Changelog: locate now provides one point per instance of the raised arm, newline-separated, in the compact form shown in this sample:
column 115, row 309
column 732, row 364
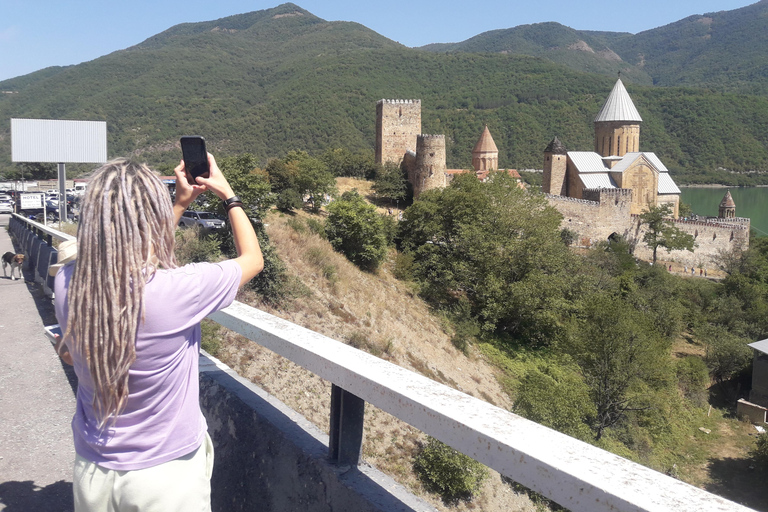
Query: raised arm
column 249, row 255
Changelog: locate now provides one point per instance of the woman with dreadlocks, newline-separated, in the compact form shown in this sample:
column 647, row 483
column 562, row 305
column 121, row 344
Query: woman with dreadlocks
column 131, row 322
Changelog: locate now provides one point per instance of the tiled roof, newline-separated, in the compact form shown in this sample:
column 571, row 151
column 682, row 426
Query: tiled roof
column 485, row 144
column 556, row 147
column 618, row 106
column 727, row 201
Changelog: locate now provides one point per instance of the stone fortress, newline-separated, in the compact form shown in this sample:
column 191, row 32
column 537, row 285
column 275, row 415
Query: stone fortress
column 399, row 141
column 600, row 193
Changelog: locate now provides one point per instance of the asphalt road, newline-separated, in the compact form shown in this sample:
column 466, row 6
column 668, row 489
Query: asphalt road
column 37, row 400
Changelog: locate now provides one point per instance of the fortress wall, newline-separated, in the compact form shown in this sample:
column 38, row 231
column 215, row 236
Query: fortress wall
column 609, row 212
column 712, row 237
column 595, row 218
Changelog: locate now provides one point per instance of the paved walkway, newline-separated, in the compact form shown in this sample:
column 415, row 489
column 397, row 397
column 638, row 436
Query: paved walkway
column 37, row 400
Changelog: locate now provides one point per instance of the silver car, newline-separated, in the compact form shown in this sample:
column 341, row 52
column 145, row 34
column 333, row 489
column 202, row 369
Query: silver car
column 6, row 207
column 203, row 220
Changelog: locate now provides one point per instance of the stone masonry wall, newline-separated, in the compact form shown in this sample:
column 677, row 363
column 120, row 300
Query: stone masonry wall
column 398, row 123
column 594, row 221
column 712, row 237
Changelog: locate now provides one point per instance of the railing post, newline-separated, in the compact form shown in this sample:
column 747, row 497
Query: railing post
column 346, row 436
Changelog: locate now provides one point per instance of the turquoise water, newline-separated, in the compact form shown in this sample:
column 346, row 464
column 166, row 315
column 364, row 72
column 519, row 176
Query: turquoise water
column 750, row 202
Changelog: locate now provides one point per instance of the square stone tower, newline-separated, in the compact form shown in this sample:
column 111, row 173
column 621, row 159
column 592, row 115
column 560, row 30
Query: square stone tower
column 398, row 124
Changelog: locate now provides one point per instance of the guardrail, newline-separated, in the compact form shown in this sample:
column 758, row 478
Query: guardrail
column 572, row 473
column 36, row 241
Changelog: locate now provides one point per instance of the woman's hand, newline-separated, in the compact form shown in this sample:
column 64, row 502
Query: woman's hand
column 185, row 193
column 61, row 348
column 216, row 182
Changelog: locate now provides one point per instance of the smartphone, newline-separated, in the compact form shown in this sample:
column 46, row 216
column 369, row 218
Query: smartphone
column 195, row 157
column 52, row 330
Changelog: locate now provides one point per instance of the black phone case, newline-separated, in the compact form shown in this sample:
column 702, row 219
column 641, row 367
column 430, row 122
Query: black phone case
column 195, row 158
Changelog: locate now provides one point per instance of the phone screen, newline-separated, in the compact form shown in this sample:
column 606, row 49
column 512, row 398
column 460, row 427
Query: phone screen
column 195, row 157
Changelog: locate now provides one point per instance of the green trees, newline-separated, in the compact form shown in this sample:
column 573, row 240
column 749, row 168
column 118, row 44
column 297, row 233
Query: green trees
column 556, row 397
column 250, row 182
column 495, row 247
column 391, row 183
column 660, row 232
column 299, row 175
column 620, row 355
column 355, row 229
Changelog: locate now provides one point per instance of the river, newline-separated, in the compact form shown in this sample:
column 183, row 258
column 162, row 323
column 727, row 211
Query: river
column 750, row 202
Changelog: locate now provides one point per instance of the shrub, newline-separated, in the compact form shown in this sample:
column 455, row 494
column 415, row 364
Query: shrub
column 194, row 246
column 403, row 269
column 357, row 231
column 759, row 453
column 693, row 378
column 449, row 473
column 211, row 341
column 289, row 199
column 272, row 283
column 316, row 226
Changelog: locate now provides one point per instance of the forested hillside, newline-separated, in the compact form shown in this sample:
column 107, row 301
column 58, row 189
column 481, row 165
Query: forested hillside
column 280, row 79
column 726, row 50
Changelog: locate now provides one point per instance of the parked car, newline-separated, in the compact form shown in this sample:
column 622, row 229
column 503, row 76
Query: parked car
column 6, row 206
column 202, row 220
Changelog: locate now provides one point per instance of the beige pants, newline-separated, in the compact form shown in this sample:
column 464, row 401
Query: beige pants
column 180, row 485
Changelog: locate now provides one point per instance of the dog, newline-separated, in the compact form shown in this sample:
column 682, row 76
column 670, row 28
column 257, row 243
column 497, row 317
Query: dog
column 15, row 261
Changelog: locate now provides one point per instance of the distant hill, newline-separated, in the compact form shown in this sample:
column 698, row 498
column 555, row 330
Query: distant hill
column 280, row 79
column 726, row 50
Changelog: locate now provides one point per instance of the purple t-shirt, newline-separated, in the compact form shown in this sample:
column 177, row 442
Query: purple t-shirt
column 162, row 419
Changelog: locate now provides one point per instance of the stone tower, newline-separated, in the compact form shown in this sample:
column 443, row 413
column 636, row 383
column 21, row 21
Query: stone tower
column 485, row 156
column 617, row 125
column 727, row 208
column 429, row 171
column 398, row 123
column 555, row 160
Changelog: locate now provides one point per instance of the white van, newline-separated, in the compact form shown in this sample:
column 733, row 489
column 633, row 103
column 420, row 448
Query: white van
column 80, row 188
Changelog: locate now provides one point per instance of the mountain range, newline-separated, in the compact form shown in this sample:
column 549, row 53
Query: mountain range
column 279, row 79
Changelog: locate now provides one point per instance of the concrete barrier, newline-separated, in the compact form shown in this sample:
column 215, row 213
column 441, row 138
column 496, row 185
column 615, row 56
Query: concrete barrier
column 270, row 458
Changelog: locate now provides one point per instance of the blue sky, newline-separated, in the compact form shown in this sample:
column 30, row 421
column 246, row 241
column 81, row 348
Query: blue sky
column 35, row 34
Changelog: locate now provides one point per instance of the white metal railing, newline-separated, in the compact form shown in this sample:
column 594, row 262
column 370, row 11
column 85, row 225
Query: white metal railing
column 572, row 473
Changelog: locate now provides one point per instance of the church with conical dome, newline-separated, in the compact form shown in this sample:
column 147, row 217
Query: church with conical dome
column 615, row 163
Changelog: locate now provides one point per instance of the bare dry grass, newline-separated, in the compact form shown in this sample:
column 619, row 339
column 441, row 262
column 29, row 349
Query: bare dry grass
column 378, row 314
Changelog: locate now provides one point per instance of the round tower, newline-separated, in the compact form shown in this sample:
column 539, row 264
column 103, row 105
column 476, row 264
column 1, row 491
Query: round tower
column 429, row 171
column 727, row 208
column 485, row 155
column 617, row 125
column 555, row 165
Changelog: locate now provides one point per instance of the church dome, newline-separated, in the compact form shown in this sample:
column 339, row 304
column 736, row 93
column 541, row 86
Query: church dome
column 727, row 201
column 485, row 144
column 556, row 147
column 618, row 106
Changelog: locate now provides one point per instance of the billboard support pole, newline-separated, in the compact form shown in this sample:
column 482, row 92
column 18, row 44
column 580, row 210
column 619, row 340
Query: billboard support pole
column 62, row 193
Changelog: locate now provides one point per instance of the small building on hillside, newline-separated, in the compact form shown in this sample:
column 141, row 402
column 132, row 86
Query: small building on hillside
column 756, row 408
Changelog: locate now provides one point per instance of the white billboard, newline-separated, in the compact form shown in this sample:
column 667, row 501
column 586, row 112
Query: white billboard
column 58, row 141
